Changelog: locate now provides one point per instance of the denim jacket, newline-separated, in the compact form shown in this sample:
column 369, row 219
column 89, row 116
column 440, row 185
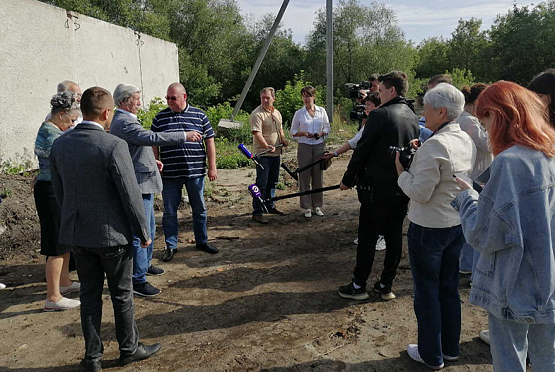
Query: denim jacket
column 512, row 224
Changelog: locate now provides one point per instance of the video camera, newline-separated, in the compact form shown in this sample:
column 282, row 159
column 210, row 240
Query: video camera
column 356, row 92
column 356, row 89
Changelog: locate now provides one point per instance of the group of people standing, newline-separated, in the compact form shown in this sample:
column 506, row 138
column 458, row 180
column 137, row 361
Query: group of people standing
column 310, row 126
column 503, row 131
column 95, row 193
column 95, row 198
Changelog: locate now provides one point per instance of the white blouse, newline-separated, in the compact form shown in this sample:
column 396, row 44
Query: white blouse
column 303, row 122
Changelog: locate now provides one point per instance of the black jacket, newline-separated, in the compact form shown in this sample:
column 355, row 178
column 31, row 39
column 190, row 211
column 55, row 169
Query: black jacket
column 392, row 124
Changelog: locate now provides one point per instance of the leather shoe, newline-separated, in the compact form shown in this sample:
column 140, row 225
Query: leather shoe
column 207, row 247
column 142, row 352
column 168, row 254
column 260, row 219
column 91, row 365
column 275, row 211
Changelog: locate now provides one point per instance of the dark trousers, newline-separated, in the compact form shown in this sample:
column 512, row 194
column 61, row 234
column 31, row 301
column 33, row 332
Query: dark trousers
column 266, row 180
column 384, row 215
column 117, row 263
column 434, row 260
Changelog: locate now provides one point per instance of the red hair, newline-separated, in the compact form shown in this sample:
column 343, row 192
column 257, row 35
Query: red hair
column 520, row 118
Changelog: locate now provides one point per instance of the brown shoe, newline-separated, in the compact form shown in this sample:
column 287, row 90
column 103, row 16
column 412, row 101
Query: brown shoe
column 260, row 219
column 275, row 211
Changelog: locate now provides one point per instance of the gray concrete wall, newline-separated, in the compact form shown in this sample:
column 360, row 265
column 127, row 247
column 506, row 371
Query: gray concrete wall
column 41, row 46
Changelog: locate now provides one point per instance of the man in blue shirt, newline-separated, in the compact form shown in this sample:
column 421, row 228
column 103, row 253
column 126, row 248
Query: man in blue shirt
column 185, row 165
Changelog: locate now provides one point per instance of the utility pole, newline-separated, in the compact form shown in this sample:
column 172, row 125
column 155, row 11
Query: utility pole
column 329, row 59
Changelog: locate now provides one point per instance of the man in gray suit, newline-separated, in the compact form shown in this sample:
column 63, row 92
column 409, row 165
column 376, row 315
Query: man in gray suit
column 126, row 126
column 101, row 205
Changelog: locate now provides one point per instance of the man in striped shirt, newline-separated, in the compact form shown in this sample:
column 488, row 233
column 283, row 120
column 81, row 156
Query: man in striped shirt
column 185, row 165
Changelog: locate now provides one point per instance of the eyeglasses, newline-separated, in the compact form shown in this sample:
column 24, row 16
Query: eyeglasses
column 172, row 98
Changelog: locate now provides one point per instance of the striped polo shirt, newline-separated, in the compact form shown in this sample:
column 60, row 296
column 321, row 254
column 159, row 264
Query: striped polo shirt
column 187, row 159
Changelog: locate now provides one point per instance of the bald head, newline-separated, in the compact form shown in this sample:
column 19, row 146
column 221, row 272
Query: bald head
column 178, row 87
column 176, row 97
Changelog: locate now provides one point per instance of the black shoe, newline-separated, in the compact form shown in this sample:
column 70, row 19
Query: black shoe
column 349, row 291
column 207, row 247
column 275, row 211
column 91, row 365
column 153, row 270
column 168, row 254
column 142, row 352
column 385, row 292
column 145, row 289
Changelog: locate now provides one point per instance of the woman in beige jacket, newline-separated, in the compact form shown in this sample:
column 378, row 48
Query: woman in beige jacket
column 435, row 236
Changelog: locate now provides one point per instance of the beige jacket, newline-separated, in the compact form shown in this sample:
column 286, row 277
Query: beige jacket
column 429, row 182
column 471, row 125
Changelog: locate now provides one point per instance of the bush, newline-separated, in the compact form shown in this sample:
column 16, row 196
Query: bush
column 223, row 111
column 145, row 115
column 228, row 156
column 289, row 99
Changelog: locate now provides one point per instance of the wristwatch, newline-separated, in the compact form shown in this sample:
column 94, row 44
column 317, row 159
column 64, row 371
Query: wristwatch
column 335, row 153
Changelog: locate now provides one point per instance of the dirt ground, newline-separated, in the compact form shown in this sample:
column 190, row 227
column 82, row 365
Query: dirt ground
column 267, row 302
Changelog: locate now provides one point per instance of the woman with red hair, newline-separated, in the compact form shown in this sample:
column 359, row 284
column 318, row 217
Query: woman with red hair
column 512, row 224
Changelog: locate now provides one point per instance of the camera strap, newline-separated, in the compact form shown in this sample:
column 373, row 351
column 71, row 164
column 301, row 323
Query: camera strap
column 440, row 128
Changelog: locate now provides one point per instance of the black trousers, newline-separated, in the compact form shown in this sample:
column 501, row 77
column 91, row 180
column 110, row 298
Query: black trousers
column 380, row 214
column 117, row 263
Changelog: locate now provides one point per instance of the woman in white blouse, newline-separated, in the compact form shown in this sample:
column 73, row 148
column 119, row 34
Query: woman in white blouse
column 310, row 126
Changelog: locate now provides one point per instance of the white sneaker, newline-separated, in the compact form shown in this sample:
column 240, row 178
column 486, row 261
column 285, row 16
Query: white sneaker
column 308, row 213
column 63, row 304
column 74, row 287
column 412, row 350
column 2, row 286
column 380, row 245
column 484, row 336
column 355, row 241
column 318, row 211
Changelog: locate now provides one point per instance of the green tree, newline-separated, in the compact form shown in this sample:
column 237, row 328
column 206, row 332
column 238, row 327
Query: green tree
column 367, row 40
column 468, row 46
column 432, row 57
column 522, row 42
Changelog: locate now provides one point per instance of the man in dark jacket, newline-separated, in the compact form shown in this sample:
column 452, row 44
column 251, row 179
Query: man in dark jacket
column 383, row 204
column 94, row 182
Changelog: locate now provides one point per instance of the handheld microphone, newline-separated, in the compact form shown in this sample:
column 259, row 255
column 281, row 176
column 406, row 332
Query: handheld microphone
column 255, row 192
column 249, row 155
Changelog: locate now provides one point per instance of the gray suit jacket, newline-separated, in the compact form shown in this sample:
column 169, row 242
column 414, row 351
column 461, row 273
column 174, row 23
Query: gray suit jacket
column 94, row 182
column 139, row 141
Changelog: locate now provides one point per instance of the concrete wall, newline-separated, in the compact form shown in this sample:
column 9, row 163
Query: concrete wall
column 40, row 46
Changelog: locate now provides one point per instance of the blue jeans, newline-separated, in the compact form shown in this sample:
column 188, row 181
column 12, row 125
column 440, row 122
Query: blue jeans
column 511, row 340
column 465, row 261
column 172, row 197
column 266, row 180
column 143, row 256
column 434, row 259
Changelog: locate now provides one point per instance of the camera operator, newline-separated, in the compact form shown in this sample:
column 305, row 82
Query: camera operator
column 384, row 205
column 435, row 236
column 374, row 83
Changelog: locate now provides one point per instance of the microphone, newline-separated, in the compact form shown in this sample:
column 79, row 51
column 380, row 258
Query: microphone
column 249, row 155
column 255, row 192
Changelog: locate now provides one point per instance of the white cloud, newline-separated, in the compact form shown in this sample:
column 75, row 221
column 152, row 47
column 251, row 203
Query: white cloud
column 419, row 20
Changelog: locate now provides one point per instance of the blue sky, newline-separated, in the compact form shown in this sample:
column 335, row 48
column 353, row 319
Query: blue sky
column 418, row 19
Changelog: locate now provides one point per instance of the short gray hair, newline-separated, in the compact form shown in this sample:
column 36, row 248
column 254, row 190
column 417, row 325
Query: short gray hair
column 64, row 102
column 268, row 89
column 64, row 85
column 446, row 96
column 123, row 92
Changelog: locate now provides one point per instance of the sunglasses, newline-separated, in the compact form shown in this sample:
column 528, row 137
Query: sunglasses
column 172, row 98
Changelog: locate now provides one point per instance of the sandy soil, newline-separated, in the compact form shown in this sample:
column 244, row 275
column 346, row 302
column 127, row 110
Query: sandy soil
column 266, row 302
